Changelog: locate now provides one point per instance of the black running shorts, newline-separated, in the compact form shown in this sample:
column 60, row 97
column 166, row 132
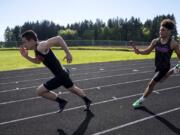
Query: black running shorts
column 160, row 74
column 62, row 79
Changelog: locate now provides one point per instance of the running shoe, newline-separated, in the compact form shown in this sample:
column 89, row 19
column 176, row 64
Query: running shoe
column 137, row 103
column 62, row 105
column 87, row 103
column 177, row 68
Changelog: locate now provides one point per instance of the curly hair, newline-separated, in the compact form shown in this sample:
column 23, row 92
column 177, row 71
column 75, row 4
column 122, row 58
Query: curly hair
column 168, row 23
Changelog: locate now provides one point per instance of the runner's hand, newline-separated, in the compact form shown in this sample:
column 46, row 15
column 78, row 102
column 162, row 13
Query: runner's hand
column 68, row 57
column 23, row 51
column 131, row 43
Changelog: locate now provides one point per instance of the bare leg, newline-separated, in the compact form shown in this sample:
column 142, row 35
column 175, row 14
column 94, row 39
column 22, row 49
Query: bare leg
column 78, row 91
column 43, row 92
column 147, row 92
column 149, row 88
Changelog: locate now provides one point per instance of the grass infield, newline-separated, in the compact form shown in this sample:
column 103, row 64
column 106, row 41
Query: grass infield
column 11, row 59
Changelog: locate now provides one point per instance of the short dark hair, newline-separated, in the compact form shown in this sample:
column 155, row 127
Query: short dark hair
column 168, row 23
column 29, row 34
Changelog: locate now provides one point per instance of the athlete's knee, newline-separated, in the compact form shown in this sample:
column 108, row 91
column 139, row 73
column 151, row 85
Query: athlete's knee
column 41, row 90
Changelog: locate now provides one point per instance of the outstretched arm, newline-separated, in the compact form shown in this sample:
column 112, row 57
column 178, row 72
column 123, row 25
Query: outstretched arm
column 146, row 51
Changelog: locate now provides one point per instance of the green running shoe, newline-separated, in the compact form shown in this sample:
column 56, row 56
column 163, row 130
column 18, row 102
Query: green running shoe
column 177, row 68
column 137, row 103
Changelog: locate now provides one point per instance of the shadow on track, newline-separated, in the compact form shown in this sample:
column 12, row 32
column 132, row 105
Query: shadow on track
column 162, row 120
column 82, row 128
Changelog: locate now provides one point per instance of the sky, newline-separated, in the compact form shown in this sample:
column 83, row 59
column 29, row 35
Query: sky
column 63, row 12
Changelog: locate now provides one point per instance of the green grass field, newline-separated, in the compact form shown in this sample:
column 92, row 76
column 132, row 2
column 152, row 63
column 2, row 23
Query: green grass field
column 12, row 60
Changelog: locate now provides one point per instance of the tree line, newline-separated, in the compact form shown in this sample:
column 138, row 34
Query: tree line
column 113, row 29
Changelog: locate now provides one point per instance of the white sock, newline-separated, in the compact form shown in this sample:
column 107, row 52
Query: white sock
column 142, row 98
column 175, row 70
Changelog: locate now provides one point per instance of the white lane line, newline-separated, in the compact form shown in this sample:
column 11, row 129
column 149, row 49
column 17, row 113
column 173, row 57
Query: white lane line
column 37, row 79
column 119, row 66
column 18, row 89
column 135, row 70
column 74, row 108
column 78, row 107
column 91, row 88
column 50, row 113
column 136, row 121
column 110, row 76
column 95, row 88
column 112, row 70
column 91, row 78
column 24, row 88
column 73, row 68
column 156, row 92
column 114, row 97
column 20, row 100
column 103, row 66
